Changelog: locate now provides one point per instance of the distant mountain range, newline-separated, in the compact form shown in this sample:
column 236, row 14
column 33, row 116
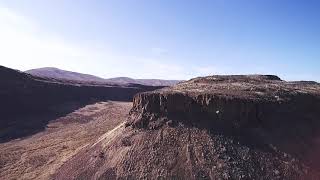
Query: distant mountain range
column 55, row 73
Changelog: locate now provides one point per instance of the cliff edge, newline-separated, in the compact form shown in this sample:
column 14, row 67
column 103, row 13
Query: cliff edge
column 215, row 127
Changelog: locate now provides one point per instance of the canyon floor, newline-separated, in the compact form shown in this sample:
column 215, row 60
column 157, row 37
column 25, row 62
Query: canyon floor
column 40, row 155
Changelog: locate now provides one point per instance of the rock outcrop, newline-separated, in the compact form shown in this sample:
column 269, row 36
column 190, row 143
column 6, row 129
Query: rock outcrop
column 216, row 127
column 232, row 102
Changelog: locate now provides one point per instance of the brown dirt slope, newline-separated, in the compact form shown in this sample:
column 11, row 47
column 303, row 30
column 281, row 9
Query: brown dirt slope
column 216, row 127
column 23, row 95
column 40, row 155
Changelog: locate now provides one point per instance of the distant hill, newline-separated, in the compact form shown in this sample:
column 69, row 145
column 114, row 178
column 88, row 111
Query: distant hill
column 50, row 72
column 55, row 73
column 149, row 82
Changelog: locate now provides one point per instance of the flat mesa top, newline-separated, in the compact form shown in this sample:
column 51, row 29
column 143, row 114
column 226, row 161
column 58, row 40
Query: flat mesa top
column 244, row 86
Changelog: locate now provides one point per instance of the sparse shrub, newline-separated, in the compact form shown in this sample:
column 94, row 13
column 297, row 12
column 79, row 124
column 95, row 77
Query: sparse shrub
column 101, row 154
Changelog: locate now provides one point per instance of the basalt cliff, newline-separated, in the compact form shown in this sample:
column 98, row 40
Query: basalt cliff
column 215, row 127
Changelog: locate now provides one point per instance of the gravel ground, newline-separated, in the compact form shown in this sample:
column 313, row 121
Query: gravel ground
column 40, row 155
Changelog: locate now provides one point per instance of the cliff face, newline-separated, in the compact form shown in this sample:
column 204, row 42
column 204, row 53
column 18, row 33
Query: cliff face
column 232, row 102
column 216, row 127
column 261, row 111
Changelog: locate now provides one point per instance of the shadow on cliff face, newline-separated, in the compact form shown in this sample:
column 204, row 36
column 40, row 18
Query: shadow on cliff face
column 291, row 127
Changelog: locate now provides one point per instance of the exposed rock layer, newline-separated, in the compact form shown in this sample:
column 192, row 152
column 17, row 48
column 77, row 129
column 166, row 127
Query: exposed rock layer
column 230, row 101
column 217, row 127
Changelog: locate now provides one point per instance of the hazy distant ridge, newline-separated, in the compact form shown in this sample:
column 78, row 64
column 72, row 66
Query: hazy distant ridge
column 51, row 72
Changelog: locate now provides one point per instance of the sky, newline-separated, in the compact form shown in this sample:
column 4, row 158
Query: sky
column 166, row 39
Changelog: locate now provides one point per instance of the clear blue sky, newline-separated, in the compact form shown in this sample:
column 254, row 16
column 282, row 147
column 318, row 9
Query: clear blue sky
column 170, row 39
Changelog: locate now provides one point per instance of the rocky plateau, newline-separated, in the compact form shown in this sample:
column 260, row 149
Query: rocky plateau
column 215, row 127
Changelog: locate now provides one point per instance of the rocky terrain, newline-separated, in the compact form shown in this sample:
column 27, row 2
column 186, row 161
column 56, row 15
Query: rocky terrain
column 29, row 102
column 216, row 127
column 39, row 156
column 58, row 74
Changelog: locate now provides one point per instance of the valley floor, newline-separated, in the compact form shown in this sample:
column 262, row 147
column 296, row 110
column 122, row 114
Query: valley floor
column 40, row 155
